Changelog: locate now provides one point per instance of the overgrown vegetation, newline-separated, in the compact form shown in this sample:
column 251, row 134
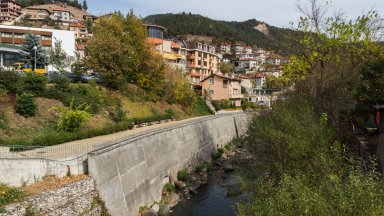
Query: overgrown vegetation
column 72, row 118
column 183, row 175
column 9, row 194
column 305, row 163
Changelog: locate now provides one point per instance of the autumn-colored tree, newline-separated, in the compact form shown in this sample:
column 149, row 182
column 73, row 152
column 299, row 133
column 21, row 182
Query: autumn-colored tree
column 334, row 51
column 226, row 67
column 119, row 51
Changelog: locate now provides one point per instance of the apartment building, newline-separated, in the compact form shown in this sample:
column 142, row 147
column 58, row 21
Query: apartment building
column 173, row 51
column 9, row 10
column 81, row 31
column 202, row 60
column 62, row 15
column 37, row 14
column 13, row 36
column 222, row 87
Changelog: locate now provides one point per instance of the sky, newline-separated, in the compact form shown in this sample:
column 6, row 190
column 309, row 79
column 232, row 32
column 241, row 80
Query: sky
column 274, row 12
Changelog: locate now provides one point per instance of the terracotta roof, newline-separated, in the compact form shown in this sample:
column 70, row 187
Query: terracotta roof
column 175, row 45
column 61, row 9
column 221, row 76
column 155, row 41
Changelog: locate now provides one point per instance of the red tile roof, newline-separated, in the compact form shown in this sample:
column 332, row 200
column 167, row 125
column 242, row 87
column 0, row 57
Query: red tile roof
column 155, row 41
column 76, row 24
column 175, row 45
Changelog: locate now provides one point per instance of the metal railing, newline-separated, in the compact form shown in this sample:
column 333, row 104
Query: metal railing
column 48, row 152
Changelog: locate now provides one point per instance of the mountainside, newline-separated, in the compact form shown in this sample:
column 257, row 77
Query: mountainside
column 27, row 3
column 252, row 32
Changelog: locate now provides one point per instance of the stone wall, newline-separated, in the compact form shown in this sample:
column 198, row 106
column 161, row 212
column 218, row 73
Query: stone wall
column 130, row 174
column 79, row 198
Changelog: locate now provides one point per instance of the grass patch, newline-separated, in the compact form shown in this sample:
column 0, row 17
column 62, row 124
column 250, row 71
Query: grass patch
column 50, row 136
column 9, row 194
column 200, row 108
column 183, row 175
column 204, row 167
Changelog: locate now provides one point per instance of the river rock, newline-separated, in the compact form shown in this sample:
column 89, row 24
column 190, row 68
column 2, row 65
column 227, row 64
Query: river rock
column 174, row 200
column 204, row 179
column 155, row 207
column 149, row 212
column 192, row 190
column 228, row 168
column 179, row 184
column 164, row 210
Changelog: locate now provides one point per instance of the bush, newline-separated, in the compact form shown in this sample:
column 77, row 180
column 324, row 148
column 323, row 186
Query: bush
column 25, row 105
column 71, row 118
column 183, row 175
column 309, row 172
column 118, row 114
column 170, row 187
column 9, row 194
column 33, row 82
column 62, row 83
column 204, row 167
column 9, row 80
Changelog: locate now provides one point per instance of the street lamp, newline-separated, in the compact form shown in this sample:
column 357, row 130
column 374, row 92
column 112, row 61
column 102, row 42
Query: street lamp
column 35, row 48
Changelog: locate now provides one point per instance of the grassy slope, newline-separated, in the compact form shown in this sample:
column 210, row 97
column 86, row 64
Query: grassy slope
column 16, row 129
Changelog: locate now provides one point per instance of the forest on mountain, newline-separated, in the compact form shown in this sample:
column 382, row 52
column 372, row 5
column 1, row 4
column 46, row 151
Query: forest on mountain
column 279, row 39
column 73, row 3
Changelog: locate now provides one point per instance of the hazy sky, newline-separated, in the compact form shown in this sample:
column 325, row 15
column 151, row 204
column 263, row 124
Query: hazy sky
column 274, row 12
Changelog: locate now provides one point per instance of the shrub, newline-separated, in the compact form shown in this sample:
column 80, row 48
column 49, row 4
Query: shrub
column 9, row 194
column 9, row 80
column 183, row 175
column 33, row 82
column 170, row 187
column 117, row 114
column 62, row 83
column 71, row 118
column 3, row 121
column 204, row 167
column 217, row 105
column 25, row 105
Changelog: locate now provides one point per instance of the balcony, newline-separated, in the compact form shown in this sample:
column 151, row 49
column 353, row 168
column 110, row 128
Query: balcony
column 191, row 65
column 195, row 75
column 191, row 56
column 236, row 96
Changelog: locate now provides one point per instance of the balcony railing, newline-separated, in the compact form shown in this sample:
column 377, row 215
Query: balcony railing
column 191, row 56
column 236, row 96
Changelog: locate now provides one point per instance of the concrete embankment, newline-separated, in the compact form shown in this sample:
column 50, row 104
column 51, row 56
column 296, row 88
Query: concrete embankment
column 130, row 174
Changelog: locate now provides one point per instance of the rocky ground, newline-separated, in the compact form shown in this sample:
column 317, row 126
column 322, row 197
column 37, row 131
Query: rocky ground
column 76, row 198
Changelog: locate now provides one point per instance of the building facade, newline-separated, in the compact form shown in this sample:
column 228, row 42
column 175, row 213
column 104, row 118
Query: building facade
column 202, row 61
column 222, row 87
column 9, row 10
column 12, row 38
column 62, row 15
column 37, row 14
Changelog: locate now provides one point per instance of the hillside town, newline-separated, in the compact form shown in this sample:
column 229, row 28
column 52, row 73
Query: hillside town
column 247, row 70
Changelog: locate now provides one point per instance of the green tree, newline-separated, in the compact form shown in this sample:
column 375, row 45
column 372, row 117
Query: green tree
column 85, row 6
column 31, row 50
column 226, row 67
column 58, row 57
column 119, row 51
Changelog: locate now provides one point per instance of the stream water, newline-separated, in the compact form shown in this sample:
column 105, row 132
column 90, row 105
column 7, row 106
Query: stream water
column 212, row 199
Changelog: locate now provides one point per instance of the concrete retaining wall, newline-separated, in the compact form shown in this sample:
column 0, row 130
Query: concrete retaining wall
column 20, row 171
column 130, row 174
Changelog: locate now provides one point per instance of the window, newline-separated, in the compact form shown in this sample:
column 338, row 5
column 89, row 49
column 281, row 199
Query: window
column 199, row 62
column 200, row 46
column 211, row 92
column 19, row 35
column 46, row 37
column 225, row 83
column 155, row 33
column 211, row 81
column 6, row 34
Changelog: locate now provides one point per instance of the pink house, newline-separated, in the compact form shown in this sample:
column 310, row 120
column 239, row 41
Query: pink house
column 221, row 87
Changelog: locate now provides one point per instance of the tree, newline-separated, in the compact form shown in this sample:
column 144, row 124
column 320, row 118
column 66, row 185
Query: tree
column 85, row 6
column 332, row 55
column 226, row 67
column 119, row 51
column 29, row 54
column 58, row 57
